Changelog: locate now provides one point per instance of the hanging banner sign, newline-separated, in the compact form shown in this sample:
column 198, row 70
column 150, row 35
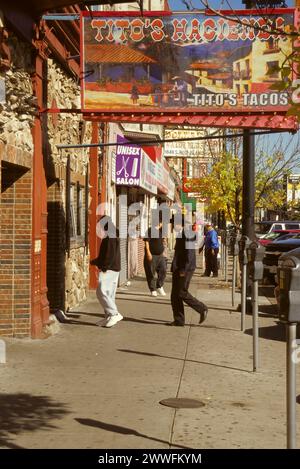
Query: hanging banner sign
column 128, row 163
column 186, row 62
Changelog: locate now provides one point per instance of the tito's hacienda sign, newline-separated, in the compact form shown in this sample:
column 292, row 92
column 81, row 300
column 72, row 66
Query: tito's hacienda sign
column 184, row 62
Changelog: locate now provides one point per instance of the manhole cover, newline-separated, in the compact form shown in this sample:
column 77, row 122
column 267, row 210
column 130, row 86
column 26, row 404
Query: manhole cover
column 182, row 403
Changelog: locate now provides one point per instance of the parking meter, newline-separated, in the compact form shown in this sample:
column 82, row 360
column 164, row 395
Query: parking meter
column 289, row 289
column 255, row 255
column 234, row 245
column 244, row 243
column 289, row 313
column 227, row 239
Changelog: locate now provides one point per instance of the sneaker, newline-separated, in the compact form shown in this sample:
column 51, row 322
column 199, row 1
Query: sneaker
column 154, row 293
column 161, row 291
column 112, row 320
column 203, row 316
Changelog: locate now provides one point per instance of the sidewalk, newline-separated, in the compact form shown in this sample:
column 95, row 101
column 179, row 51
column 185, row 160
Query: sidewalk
column 91, row 387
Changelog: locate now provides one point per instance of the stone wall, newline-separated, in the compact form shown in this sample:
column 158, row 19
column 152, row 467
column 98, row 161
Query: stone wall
column 77, row 269
column 17, row 114
column 69, row 128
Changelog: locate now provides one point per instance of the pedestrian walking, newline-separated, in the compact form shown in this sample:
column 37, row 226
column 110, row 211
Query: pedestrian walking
column 134, row 94
column 211, row 250
column 183, row 268
column 155, row 262
column 109, row 264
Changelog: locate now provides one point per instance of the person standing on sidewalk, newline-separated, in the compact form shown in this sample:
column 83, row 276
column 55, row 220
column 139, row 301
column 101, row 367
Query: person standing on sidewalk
column 109, row 264
column 155, row 260
column 183, row 268
column 211, row 244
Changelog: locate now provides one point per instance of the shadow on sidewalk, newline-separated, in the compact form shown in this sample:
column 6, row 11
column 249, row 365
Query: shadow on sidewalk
column 26, row 413
column 183, row 359
column 123, row 431
column 276, row 332
column 153, row 302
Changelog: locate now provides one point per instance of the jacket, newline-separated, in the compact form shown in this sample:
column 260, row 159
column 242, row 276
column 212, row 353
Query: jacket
column 184, row 259
column 109, row 257
column 211, row 240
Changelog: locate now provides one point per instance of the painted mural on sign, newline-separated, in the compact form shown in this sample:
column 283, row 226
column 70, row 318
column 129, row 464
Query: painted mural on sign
column 183, row 61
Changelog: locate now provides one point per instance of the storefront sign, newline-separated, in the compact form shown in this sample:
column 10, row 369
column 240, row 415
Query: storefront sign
column 184, row 61
column 128, row 163
column 200, row 149
column 148, row 179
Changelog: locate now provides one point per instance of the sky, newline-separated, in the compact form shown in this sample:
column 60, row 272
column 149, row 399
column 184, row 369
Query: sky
column 218, row 4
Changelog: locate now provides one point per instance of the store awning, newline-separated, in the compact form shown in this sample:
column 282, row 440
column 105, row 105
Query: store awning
column 242, row 121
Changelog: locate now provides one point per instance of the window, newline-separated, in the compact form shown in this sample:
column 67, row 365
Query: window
column 76, row 213
column 272, row 44
column 273, row 69
column 292, row 226
column 80, row 211
column 72, row 212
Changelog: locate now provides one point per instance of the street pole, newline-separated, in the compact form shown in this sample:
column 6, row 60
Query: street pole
column 233, row 280
column 243, row 297
column 248, row 184
column 255, row 323
column 248, row 206
column 291, row 346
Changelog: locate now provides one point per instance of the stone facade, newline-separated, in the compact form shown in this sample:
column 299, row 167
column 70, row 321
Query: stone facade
column 17, row 113
column 68, row 128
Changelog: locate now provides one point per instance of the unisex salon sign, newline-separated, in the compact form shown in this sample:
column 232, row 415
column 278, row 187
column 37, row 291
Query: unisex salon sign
column 184, row 61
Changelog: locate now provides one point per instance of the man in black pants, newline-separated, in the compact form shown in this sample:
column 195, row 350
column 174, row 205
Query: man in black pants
column 155, row 260
column 183, row 267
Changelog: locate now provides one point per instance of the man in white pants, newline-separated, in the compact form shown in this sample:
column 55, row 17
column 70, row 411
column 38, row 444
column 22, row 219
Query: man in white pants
column 109, row 264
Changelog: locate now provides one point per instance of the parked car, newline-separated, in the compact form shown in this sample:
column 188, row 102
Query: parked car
column 264, row 227
column 274, row 250
column 276, row 236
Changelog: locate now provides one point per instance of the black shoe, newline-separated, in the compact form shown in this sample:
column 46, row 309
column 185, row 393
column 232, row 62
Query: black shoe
column 175, row 323
column 203, row 316
column 216, row 275
column 205, row 275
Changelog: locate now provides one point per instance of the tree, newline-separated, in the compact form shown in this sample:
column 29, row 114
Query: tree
column 222, row 186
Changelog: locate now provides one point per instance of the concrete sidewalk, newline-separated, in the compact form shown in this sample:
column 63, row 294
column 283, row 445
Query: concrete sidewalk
column 91, row 387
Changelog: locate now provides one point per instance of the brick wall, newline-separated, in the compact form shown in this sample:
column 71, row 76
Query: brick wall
column 15, row 291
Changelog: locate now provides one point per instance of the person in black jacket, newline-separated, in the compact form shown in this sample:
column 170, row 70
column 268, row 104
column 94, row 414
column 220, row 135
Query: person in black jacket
column 109, row 264
column 183, row 267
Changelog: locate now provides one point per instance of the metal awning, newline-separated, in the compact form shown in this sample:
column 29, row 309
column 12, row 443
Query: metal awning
column 140, row 136
column 242, row 121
